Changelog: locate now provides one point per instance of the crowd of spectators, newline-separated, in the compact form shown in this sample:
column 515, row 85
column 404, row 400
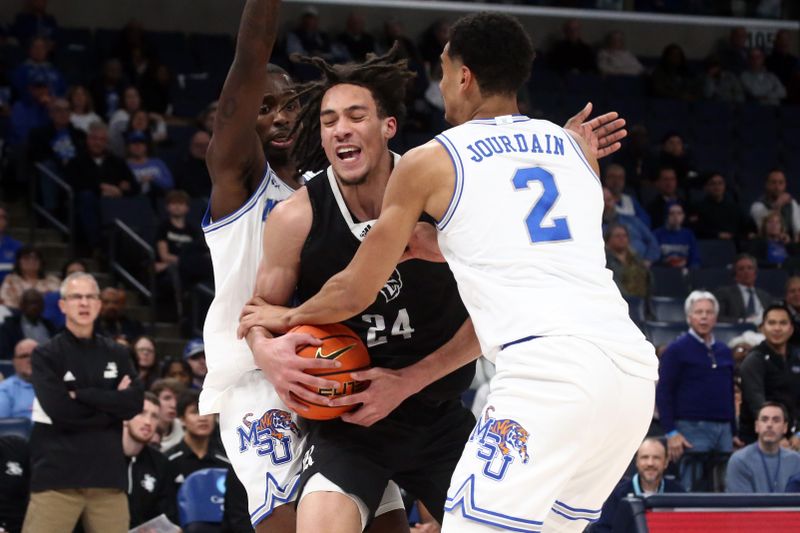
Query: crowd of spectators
column 111, row 135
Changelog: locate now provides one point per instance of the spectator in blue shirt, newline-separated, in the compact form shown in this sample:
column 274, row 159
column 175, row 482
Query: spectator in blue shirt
column 8, row 246
column 31, row 111
column 627, row 204
column 16, row 392
column 641, row 238
column 152, row 173
column 37, row 66
column 651, row 463
column 764, row 466
column 694, row 394
column 678, row 244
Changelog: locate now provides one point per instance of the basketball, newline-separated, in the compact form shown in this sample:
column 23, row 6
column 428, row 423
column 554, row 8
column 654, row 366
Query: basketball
column 342, row 344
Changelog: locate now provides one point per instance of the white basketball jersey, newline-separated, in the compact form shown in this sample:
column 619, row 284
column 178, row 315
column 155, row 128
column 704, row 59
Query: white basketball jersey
column 235, row 242
column 523, row 237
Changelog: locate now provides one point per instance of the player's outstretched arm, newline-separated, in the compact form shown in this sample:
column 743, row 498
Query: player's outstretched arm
column 602, row 134
column 285, row 233
column 389, row 388
column 235, row 155
column 418, row 183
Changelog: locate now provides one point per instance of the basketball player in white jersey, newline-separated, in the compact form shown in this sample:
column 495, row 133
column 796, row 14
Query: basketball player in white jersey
column 256, row 114
column 519, row 208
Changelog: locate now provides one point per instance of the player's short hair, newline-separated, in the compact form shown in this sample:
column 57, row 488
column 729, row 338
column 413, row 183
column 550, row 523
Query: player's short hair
column 385, row 77
column 188, row 398
column 496, row 48
column 272, row 68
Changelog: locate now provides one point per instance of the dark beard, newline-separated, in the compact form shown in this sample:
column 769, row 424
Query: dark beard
column 277, row 158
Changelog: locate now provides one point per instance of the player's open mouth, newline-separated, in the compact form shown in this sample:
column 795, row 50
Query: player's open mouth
column 282, row 142
column 348, row 153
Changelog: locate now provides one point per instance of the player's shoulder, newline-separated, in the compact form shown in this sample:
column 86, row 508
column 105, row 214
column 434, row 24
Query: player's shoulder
column 295, row 210
column 430, row 157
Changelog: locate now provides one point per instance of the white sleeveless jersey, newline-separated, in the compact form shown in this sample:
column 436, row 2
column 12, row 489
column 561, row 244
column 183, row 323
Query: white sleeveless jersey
column 523, row 237
column 235, row 242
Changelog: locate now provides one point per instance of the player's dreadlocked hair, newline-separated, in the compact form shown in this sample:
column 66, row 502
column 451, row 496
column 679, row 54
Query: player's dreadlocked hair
column 384, row 76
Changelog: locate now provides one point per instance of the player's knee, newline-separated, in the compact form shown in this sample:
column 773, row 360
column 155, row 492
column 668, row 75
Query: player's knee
column 333, row 512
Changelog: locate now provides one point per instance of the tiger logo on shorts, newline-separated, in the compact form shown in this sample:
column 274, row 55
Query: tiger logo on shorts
column 271, row 435
column 497, row 439
column 512, row 436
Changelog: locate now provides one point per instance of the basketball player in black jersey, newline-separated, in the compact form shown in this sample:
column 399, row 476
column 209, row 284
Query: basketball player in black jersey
column 420, row 338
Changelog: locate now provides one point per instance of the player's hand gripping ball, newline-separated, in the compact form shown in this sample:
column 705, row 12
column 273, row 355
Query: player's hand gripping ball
column 341, row 344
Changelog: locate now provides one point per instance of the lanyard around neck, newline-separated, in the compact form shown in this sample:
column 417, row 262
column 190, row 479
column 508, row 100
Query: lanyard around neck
column 773, row 482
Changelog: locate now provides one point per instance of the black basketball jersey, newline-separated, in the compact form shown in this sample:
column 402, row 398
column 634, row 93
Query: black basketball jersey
column 416, row 312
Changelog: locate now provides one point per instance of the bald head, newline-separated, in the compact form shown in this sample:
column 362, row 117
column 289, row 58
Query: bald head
column 22, row 358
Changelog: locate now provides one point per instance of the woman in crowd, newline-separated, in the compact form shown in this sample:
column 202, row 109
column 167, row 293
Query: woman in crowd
column 82, row 108
column 28, row 273
column 146, row 360
column 178, row 369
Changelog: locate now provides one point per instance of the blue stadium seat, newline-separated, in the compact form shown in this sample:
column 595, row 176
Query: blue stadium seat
column 716, row 252
column 211, row 52
column 663, row 333
column 668, row 281
column 104, row 41
column 709, row 278
column 201, row 497
column 773, row 280
column 631, row 109
column 19, row 427
column 625, row 87
column 725, row 332
column 667, row 309
column 172, row 49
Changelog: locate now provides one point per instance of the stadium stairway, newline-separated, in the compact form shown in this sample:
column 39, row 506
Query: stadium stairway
column 55, row 251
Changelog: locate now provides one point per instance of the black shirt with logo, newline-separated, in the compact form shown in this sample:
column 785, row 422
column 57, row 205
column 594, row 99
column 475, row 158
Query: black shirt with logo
column 77, row 443
column 183, row 461
column 176, row 237
column 15, row 474
column 417, row 311
column 151, row 487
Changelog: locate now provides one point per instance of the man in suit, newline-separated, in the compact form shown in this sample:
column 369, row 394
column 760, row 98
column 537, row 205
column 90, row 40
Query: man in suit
column 743, row 302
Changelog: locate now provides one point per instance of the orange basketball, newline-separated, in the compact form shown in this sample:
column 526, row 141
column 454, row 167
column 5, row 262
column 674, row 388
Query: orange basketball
column 342, row 344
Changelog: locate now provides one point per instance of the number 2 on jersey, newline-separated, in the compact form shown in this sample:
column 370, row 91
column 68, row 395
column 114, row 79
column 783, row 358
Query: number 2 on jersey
column 559, row 231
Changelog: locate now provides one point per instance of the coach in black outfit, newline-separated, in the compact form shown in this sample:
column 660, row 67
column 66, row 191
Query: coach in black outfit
column 85, row 387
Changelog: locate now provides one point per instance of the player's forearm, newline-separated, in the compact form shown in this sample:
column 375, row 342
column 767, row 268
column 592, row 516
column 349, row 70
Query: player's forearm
column 460, row 350
column 257, row 32
column 339, row 299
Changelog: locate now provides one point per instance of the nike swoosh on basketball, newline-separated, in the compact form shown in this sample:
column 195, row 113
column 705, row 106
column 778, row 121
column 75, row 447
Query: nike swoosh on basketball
column 332, row 355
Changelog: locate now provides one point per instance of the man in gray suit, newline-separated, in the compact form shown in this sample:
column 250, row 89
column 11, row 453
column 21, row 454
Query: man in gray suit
column 743, row 302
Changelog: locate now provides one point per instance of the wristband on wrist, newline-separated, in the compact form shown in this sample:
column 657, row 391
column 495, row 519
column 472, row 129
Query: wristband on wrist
column 672, row 433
